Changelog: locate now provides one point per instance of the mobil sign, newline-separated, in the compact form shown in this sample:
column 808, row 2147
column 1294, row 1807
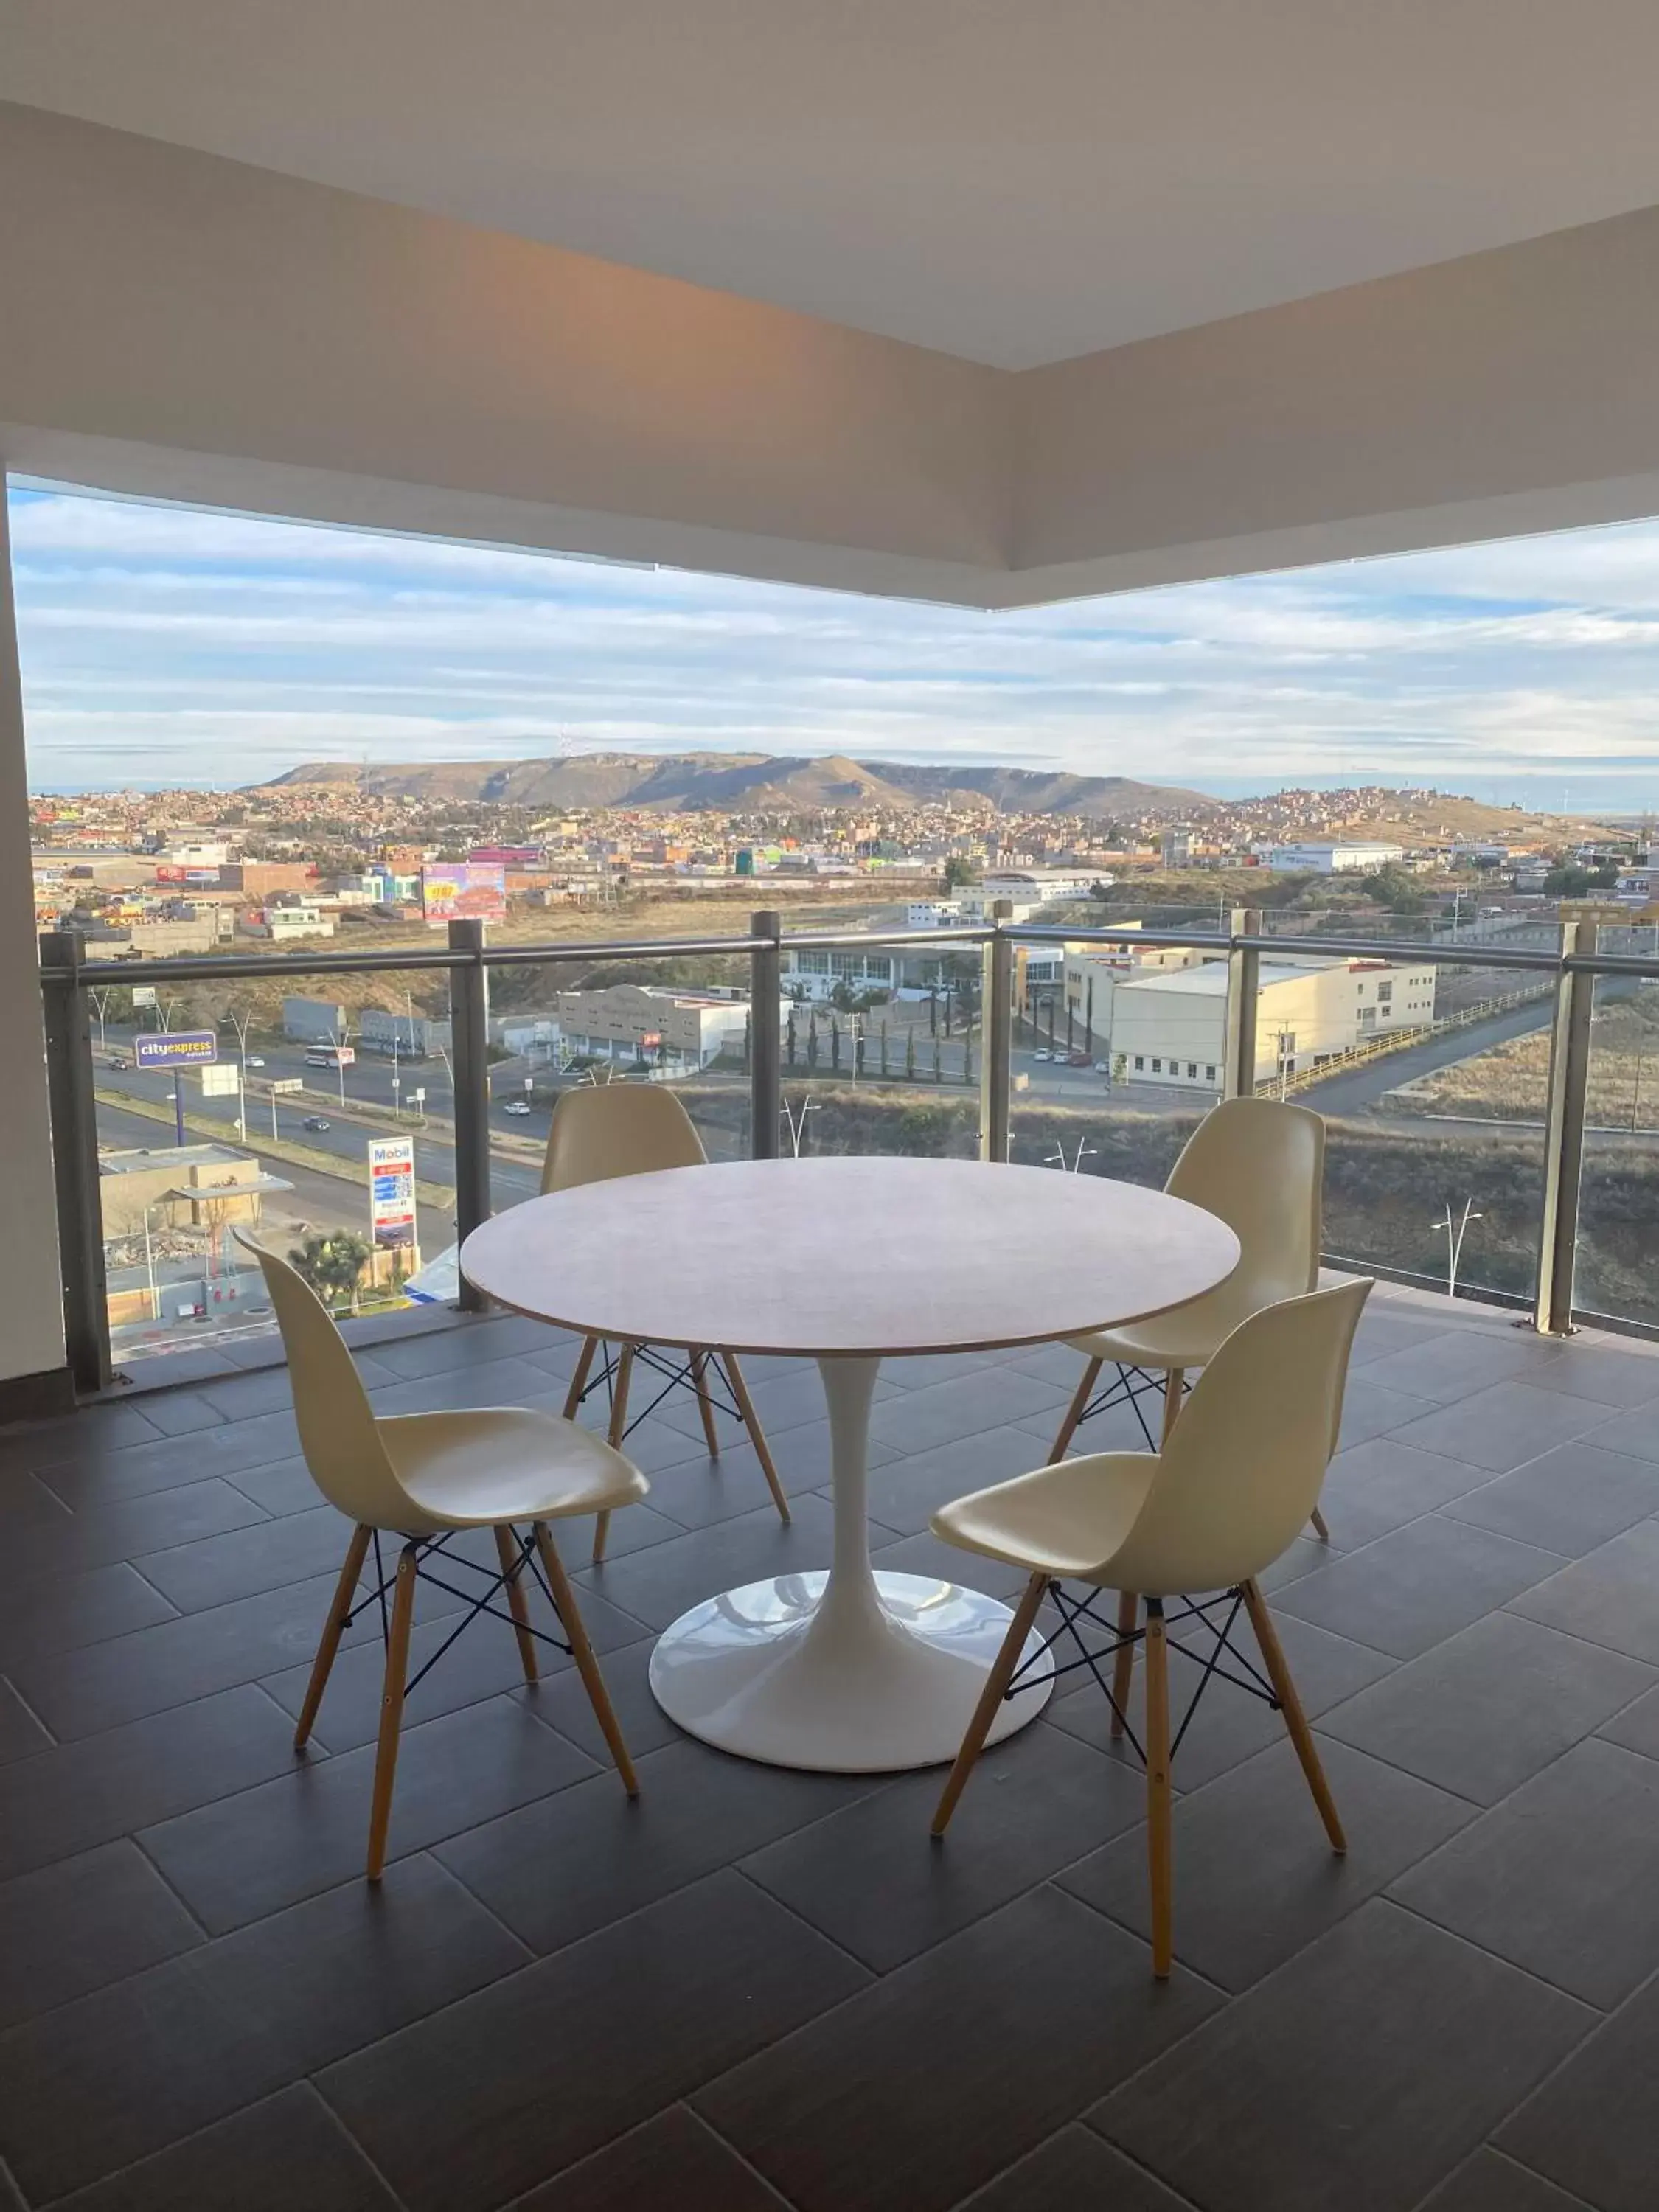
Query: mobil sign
column 391, row 1191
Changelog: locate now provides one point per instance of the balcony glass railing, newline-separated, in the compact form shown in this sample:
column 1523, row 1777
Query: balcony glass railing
column 1484, row 1095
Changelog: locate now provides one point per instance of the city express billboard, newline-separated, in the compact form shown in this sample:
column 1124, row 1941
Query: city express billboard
column 455, row 891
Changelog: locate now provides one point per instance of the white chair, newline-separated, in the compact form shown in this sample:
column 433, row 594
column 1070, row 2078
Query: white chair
column 622, row 1130
column 1230, row 1490
column 1260, row 1165
column 426, row 1477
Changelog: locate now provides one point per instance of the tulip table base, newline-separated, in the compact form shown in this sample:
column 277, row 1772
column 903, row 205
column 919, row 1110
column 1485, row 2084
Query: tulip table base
column 850, row 1671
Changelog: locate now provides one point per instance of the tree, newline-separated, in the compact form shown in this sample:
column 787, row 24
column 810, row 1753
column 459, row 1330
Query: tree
column 938, row 1071
column 333, row 1266
column 910, row 1055
column 881, row 1035
column 834, row 1044
column 1567, row 880
column 812, row 1039
column 789, row 1036
column 958, row 873
column 1391, row 887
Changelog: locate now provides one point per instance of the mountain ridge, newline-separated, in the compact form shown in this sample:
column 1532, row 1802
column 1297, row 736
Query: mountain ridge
column 747, row 783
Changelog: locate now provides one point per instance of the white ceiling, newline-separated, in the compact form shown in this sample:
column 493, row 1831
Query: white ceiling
column 1016, row 181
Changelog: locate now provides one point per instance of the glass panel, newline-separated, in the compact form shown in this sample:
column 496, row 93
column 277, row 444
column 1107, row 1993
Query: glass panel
column 302, row 1088
column 1619, row 1214
column 881, row 1052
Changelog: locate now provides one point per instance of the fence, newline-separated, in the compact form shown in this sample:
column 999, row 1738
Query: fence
column 68, row 978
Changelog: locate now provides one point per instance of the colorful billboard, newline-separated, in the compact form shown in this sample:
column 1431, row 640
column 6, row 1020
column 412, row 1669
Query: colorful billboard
column 391, row 1192
column 456, row 891
column 176, row 1048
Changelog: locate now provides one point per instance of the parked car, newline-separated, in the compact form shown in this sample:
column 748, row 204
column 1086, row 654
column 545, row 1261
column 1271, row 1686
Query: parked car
column 1043, row 1056
column 316, row 1122
column 1076, row 1059
column 254, row 1061
column 515, row 1106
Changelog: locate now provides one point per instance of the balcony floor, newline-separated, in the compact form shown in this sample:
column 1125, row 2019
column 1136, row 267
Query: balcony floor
column 761, row 1989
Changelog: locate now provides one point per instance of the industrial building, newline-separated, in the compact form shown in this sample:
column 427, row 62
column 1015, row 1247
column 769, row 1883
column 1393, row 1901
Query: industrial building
column 1171, row 1027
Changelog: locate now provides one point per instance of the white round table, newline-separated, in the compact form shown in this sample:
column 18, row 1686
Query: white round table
column 846, row 1260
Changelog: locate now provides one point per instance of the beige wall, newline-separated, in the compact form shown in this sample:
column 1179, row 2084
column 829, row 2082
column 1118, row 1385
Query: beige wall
column 31, row 1304
column 195, row 328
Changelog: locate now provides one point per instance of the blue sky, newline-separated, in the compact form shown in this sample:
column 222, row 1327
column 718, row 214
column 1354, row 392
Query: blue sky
column 165, row 646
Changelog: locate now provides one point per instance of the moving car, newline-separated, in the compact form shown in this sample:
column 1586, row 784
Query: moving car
column 515, row 1106
column 315, row 1121
column 119, row 1062
column 254, row 1061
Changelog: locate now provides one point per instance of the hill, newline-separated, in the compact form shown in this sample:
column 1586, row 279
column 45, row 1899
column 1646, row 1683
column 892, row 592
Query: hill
column 758, row 783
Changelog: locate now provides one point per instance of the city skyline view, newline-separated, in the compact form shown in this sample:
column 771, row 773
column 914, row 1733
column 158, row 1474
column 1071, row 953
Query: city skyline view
column 168, row 646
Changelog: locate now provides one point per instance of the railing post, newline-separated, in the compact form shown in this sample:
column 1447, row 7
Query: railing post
column 1563, row 1133
column 73, row 1109
column 765, row 1037
column 469, row 1014
column 1243, row 985
column 996, row 1000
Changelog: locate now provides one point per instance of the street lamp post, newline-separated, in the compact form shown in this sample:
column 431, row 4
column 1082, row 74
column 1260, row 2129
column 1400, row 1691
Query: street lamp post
column 1457, row 1228
column 795, row 1117
column 1057, row 1158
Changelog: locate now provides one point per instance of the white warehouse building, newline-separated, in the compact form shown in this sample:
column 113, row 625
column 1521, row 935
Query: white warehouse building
column 1172, row 1028
column 1333, row 859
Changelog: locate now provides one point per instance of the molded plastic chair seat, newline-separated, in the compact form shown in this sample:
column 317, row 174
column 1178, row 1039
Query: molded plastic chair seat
column 473, row 1468
column 1061, row 1521
column 1237, row 1477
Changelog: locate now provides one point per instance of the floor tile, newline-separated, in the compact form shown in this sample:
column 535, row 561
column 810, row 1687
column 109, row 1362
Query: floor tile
column 1414, row 1588
column 1638, row 1725
column 478, row 1344
column 957, row 2064
column 491, row 1383
column 1636, row 1433
column 77, row 1795
column 1594, row 2128
column 102, row 1428
column 1482, row 1712
column 1382, row 1331
column 781, row 1402
column 20, row 1733
column 567, row 1866
column 280, row 1486
column 874, row 1879
column 138, row 1470
column 1371, row 1409
column 194, row 2039
column 906, row 1494
column 1074, row 2172
column 673, row 2162
column 220, row 1569
column 456, row 2111
column 81, row 1692
column 1255, row 1878
column 657, row 1586
column 123, row 1529
column 1500, row 1884
column 243, row 1856
column 181, row 1412
column 1230, row 1725
column 1501, row 1427
column 1378, row 1486
column 1457, row 1363
column 919, row 1420
column 1361, row 2074
column 287, row 2154
column 698, row 1491
column 1572, row 1500
column 560, row 1701
column 1611, row 1596
column 1625, row 1374
column 65, row 1613
column 1491, row 2183
column 82, row 1922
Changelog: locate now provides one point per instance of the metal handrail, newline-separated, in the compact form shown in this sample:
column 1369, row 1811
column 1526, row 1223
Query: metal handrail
column 466, row 957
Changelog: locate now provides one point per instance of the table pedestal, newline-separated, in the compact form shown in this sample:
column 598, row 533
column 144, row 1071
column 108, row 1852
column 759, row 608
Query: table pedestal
column 850, row 1671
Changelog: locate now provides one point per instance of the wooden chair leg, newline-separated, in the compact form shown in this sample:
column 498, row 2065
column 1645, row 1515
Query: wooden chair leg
column 564, row 1603
column 507, row 1551
column 756, row 1435
column 391, row 1709
column 333, row 1628
column 1075, row 1411
column 1174, row 1384
column 1295, row 1719
column 1319, row 1528
column 705, row 1403
column 1002, row 1668
column 1129, row 1615
column 614, row 1436
column 1159, row 1851
column 573, row 1396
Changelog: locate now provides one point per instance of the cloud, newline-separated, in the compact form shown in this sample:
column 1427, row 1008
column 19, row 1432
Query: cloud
column 163, row 644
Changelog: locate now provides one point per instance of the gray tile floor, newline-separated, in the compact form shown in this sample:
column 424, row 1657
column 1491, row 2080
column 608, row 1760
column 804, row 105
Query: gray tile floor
column 758, row 1988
